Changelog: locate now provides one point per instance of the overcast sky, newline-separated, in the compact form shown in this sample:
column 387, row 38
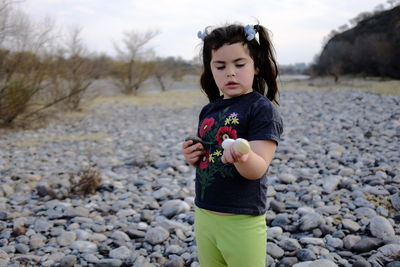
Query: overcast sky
column 298, row 26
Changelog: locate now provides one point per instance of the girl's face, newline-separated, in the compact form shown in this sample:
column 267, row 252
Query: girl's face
column 233, row 69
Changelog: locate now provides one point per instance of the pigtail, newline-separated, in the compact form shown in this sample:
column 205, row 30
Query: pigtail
column 268, row 69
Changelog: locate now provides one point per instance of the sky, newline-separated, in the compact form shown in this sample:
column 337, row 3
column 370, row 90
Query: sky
column 298, row 27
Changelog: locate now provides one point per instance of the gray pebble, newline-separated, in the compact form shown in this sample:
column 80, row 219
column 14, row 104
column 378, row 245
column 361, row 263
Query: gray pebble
column 305, row 255
column 174, row 207
column 120, row 253
column 156, row 235
column 68, row 261
column 84, row 246
column 380, row 227
column 109, row 263
column 274, row 250
column 66, row 239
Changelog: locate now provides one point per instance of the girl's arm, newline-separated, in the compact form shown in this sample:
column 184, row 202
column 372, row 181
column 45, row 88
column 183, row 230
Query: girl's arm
column 254, row 164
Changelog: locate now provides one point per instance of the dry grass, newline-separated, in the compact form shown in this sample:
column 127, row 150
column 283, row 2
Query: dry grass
column 168, row 99
column 40, row 140
column 385, row 87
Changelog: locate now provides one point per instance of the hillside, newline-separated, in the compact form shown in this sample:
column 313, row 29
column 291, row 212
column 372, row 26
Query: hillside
column 370, row 48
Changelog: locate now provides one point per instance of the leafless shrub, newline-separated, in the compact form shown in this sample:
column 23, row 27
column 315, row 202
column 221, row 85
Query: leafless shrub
column 86, row 183
column 133, row 66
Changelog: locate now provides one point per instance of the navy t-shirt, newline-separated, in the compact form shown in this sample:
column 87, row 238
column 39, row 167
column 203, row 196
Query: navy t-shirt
column 219, row 186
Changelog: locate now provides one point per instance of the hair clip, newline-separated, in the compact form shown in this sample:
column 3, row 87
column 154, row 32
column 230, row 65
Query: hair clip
column 250, row 32
column 201, row 35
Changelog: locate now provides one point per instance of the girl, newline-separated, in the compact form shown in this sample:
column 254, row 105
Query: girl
column 231, row 188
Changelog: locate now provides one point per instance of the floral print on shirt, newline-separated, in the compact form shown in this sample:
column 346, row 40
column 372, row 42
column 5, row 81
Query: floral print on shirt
column 214, row 131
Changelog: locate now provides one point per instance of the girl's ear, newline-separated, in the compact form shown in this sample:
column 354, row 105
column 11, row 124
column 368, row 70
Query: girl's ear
column 256, row 71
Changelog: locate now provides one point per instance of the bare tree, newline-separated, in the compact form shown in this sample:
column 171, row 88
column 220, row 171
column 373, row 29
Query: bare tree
column 78, row 70
column 393, row 3
column 22, row 71
column 360, row 17
column 134, row 66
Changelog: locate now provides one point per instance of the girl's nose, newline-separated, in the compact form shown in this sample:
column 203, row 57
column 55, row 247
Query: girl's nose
column 230, row 72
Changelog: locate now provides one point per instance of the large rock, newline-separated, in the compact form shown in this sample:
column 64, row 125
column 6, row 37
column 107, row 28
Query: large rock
column 173, row 207
column 380, row 227
column 156, row 235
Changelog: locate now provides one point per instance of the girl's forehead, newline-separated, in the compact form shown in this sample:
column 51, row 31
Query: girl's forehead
column 231, row 51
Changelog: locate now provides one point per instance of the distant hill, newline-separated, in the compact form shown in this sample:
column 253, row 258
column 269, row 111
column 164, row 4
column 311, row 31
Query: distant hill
column 371, row 48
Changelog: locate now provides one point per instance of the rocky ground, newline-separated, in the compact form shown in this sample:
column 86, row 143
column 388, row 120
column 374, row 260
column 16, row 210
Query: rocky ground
column 334, row 194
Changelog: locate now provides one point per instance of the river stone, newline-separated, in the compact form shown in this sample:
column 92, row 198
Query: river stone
column 312, row 241
column 274, row 232
column 385, row 254
column 68, row 261
column 173, row 207
column 287, row 261
column 120, row 253
column 334, row 242
column 161, row 193
column 367, row 244
column 395, row 199
column 3, row 254
column 42, row 225
column 156, row 235
column 380, row 227
column 316, row 263
column 27, row 258
column 76, row 212
column 290, row 244
column 36, row 241
column 365, row 212
column 305, row 255
column 178, row 262
column 277, row 206
column 121, row 236
column 66, row 239
column 310, row 221
column 350, row 240
column 361, row 263
column 274, row 250
column 109, row 263
column 280, row 220
column 351, row 225
column 287, row 178
column 271, row 192
column 345, row 171
column 331, row 182
column 84, row 246
column 173, row 249
column 22, row 248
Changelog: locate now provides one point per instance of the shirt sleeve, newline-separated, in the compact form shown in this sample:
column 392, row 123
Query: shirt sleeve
column 265, row 122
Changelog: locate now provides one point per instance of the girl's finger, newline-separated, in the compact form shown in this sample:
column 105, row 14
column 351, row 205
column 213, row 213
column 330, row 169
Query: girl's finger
column 186, row 144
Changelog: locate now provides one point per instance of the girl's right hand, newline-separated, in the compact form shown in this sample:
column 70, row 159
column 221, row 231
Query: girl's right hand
column 192, row 152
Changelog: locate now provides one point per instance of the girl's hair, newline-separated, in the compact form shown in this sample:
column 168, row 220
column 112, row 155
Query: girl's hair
column 262, row 53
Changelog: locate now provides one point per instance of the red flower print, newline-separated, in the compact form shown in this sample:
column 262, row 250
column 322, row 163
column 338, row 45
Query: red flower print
column 204, row 161
column 205, row 126
column 225, row 133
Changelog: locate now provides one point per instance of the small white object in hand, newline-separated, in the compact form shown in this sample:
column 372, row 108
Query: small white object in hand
column 227, row 143
column 242, row 146
column 239, row 145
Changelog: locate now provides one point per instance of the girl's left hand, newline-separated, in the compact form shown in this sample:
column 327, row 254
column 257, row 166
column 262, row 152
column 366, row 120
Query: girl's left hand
column 231, row 156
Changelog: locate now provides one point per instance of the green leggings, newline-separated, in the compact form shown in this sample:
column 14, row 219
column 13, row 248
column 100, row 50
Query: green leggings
column 234, row 241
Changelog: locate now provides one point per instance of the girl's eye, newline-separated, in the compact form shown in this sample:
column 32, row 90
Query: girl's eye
column 220, row 67
column 240, row 65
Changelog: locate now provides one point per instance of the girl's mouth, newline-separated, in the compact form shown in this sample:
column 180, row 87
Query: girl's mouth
column 232, row 84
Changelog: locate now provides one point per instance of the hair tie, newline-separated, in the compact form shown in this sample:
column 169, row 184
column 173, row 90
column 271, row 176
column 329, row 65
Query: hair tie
column 250, row 32
column 201, row 35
